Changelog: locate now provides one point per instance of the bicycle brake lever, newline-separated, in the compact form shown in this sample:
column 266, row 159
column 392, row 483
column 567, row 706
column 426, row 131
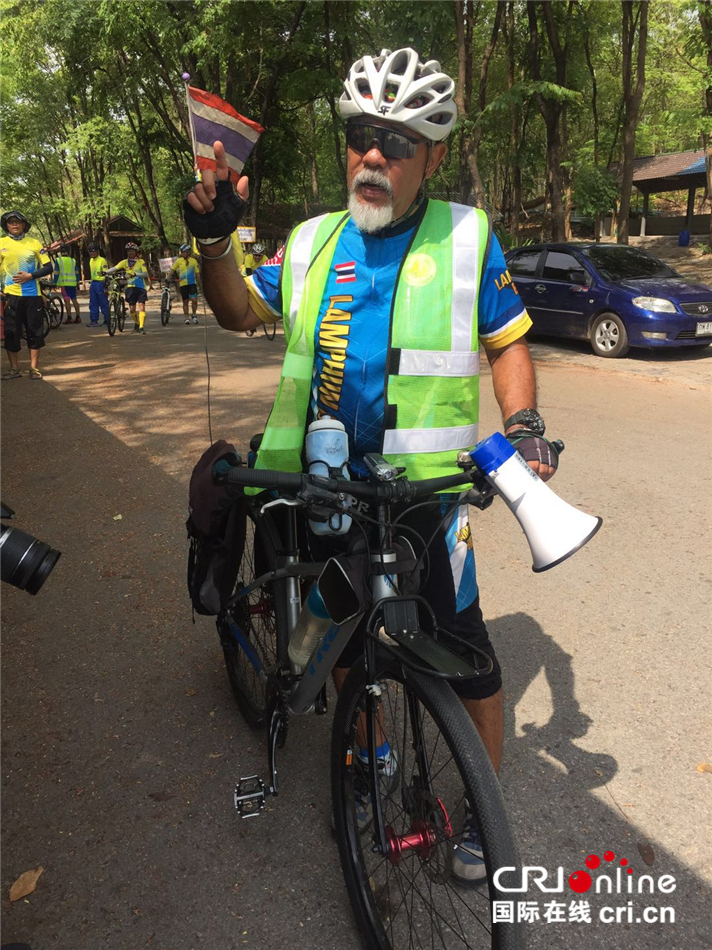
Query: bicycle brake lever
column 289, row 502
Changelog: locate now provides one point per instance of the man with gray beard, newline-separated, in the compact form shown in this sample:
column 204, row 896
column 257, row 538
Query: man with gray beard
column 402, row 291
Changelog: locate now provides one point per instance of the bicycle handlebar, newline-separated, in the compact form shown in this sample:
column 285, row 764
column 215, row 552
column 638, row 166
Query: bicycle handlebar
column 399, row 490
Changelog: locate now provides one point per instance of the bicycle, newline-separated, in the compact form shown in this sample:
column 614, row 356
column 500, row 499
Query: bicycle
column 117, row 304
column 54, row 307
column 166, row 303
column 396, row 854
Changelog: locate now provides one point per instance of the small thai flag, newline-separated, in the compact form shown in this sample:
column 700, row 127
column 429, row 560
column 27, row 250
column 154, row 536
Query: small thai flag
column 345, row 273
column 214, row 119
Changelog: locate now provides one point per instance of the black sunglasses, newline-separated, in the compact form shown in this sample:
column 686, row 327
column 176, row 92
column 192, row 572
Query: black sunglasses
column 390, row 144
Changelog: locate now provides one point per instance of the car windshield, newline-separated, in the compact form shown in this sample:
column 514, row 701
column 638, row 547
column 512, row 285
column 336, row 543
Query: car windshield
column 626, row 263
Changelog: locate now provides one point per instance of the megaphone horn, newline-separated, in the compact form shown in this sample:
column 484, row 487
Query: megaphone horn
column 554, row 529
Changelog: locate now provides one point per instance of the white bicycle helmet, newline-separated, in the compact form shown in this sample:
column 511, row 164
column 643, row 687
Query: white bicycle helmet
column 397, row 86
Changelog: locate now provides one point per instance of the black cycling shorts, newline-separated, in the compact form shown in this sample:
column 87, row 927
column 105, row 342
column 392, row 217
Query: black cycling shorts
column 189, row 291
column 438, row 588
column 27, row 312
column 135, row 295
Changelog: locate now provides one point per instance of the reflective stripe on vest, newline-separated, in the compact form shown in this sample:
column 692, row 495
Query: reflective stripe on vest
column 432, row 392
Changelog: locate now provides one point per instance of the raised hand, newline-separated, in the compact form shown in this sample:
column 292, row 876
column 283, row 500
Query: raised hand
column 201, row 198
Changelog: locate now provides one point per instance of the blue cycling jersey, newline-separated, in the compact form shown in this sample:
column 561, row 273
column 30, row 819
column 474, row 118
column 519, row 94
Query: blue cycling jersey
column 351, row 345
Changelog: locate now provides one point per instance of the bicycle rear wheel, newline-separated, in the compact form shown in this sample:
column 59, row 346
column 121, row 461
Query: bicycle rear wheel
column 410, row 897
column 121, row 314
column 248, row 631
column 55, row 309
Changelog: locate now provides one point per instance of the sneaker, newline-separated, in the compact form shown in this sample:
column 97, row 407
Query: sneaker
column 78, row 320
column 141, row 330
column 468, row 860
column 187, row 323
column 390, row 778
column 137, row 328
column 195, row 320
column 94, row 323
column 388, row 767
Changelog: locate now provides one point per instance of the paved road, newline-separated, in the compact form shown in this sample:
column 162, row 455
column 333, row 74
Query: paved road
column 120, row 739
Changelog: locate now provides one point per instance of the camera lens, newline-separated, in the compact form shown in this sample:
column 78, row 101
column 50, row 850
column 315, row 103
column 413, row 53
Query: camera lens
column 25, row 561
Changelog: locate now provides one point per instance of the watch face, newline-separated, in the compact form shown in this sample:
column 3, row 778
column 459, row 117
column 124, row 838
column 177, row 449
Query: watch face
column 534, row 421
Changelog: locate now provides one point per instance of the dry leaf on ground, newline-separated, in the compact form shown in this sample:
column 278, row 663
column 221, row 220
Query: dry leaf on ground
column 118, row 517
column 647, row 853
column 191, row 691
column 704, row 767
column 25, row 884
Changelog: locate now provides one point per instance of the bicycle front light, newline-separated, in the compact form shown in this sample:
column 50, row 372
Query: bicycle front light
column 656, row 304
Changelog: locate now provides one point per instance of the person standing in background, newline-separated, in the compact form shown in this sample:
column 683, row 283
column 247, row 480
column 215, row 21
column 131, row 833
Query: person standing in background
column 22, row 263
column 66, row 277
column 98, row 301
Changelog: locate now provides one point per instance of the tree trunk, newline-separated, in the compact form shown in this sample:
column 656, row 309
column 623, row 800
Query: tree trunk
column 514, row 131
column 473, row 158
column 266, row 102
column 705, row 13
column 552, row 111
column 635, row 21
column 596, row 124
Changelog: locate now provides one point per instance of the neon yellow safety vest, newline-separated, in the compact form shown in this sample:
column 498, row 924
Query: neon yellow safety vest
column 432, row 389
column 66, row 272
column 97, row 266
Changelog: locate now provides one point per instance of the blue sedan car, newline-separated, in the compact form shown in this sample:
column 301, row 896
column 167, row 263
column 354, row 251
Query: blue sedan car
column 613, row 295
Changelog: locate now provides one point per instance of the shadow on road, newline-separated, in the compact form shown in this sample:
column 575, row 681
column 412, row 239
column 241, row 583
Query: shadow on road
column 121, row 742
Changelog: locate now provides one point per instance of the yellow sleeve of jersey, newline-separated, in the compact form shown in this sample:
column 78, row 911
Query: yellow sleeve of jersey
column 258, row 304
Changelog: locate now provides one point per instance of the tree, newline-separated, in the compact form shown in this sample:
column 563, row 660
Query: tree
column 635, row 24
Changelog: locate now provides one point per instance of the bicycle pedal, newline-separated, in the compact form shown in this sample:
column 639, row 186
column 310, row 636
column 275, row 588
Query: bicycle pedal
column 250, row 796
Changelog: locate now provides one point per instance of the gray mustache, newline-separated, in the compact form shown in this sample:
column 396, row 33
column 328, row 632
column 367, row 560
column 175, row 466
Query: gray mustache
column 370, row 177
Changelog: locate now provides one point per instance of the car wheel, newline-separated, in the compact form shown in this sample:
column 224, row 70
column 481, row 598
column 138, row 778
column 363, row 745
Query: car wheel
column 609, row 337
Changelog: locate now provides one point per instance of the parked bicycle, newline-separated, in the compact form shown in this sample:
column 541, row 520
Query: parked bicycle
column 54, row 306
column 270, row 330
column 398, row 828
column 117, row 304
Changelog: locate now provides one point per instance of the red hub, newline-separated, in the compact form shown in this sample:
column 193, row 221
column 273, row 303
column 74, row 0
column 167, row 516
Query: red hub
column 421, row 839
column 422, row 836
column 261, row 608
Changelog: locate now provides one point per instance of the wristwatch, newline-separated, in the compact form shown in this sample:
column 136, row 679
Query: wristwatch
column 529, row 418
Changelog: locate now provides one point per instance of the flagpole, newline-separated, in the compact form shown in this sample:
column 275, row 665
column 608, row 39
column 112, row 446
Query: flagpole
column 186, row 80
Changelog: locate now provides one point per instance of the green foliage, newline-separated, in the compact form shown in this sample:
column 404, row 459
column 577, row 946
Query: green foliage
column 94, row 121
column 595, row 190
column 508, row 240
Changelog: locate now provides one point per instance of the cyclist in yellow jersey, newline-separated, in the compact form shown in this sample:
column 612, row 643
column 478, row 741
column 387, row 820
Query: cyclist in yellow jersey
column 256, row 258
column 138, row 277
column 185, row 271
column 98, row 299
column 22, row 263
column 66, row 277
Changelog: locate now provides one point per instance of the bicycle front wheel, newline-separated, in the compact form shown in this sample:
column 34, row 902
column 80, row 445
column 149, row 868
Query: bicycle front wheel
column 113, row 318
column 165, row 307
column 438, row 782
column 248, row 631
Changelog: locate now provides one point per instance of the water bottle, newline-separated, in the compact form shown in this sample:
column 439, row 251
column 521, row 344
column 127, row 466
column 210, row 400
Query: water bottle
column 327, row 447
column 310, row 628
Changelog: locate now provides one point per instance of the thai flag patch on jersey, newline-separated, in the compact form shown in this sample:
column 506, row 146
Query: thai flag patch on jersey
column 345, row 273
